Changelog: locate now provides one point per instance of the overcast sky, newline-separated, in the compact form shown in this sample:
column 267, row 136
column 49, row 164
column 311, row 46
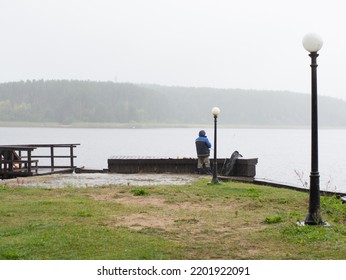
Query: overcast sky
column 248, row 44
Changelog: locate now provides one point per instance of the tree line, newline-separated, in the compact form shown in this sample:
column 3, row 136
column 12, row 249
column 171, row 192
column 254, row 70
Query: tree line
column 71, row 101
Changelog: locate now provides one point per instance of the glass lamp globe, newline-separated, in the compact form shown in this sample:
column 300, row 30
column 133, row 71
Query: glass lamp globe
column 312, row 42
column 215, row 111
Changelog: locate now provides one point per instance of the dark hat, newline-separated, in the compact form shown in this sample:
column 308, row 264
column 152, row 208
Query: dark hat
column 202, row 133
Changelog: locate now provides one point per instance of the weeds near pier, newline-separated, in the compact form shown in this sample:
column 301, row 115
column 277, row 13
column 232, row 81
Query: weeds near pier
column 198, row 221
column 300, row 175
column 304, row 183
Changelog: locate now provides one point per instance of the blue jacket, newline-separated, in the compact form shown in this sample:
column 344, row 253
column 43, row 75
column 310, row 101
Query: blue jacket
column 202, row 146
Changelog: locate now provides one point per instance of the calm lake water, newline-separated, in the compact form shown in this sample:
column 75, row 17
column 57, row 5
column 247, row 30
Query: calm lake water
column 281, row 153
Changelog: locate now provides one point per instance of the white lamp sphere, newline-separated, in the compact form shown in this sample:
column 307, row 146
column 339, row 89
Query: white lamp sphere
column 312, row 42
column 215, row 111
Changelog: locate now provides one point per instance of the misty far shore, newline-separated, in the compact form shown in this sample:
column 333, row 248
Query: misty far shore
column 72, row 103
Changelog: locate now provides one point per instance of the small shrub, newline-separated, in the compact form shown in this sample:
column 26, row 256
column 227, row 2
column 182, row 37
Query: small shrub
column 273, row 219
column 139, row 192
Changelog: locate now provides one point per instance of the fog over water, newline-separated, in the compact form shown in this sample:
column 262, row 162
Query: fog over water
column 246, row 44
column 281, row 153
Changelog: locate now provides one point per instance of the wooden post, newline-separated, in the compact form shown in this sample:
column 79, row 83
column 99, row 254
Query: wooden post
column 11, row 157
column 71, row 156
column 52, row 158
column 29, row 161
column 20, row 157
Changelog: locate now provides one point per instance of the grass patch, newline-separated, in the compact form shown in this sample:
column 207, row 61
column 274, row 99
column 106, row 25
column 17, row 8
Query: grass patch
column 273, row 219
column 139, row 192
column 198, row 221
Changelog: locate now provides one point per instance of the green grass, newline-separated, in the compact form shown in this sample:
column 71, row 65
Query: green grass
column 198, row 221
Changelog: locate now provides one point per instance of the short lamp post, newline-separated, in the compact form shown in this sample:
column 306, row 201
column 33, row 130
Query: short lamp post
column 313, row 43
column 215, row 111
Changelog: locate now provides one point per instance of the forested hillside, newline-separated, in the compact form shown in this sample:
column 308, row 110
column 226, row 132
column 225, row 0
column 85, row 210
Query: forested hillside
column 67, row 102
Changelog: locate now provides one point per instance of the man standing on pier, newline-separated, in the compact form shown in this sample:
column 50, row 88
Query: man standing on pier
column 203, row 151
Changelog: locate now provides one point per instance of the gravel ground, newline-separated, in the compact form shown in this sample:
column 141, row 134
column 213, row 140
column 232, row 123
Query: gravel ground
column 100, row 179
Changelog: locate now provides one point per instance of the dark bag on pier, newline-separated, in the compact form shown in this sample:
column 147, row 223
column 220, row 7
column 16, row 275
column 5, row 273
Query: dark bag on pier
column 228, row 165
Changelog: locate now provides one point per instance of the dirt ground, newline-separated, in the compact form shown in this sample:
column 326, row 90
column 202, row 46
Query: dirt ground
column 166, row 218
column 136, row 221
column 100, row 179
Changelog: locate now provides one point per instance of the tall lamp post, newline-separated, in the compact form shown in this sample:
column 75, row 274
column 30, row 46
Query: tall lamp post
column 215, row 111
column 313, row 43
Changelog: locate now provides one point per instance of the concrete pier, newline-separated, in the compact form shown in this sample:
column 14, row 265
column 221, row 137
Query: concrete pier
column 243, row 167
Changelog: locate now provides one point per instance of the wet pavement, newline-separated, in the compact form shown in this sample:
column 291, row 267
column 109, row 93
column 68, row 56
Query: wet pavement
column 100, row 179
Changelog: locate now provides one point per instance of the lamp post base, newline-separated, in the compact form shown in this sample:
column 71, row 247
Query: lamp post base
column 302, row 224
column 214, row 181
column 314, row 219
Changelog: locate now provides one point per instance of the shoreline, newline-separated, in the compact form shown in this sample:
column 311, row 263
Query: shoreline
column 81, row 180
